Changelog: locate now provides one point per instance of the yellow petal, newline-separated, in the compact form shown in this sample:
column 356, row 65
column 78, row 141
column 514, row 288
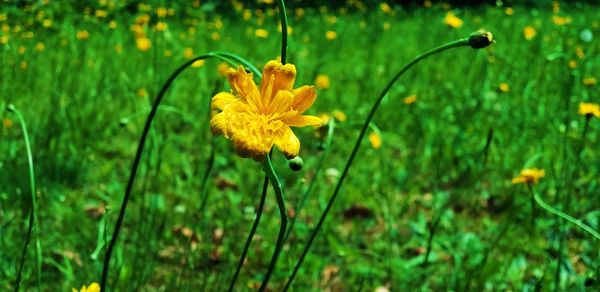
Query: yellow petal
column 276, row 77
column 244, row 86
column 94, row 287
column 219, row 124
column 288, row 143
column 281, row 103
column 221, row 100
column 303, row 121
column 304, row 97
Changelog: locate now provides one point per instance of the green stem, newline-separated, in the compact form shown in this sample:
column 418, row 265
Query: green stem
column 268, row 167
column 284, row 32
column 329, row 139
column 562, row 215
column 33, row 222
column 261, row 205
column 455, row 44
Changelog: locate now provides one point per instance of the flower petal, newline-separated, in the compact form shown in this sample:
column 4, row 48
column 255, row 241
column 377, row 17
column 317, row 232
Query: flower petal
column 276, row 77
column 304, row 97
column 244, row 86
column 281, row 103
column 303, row 121
column 219, row 124
column 221, row 100
column 288, row 143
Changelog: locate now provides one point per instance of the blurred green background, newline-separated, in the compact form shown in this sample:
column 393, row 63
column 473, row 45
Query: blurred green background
column 453, row 132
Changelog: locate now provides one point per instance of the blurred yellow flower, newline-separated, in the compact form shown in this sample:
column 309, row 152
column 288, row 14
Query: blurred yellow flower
column 40, row 46
column 94, row 287
column 299, row 12
column 82, row 35
column 561, row 20
column 452, row 20
column 572, row 64
column 161, row 26
column 504, row 87
column 161, row 12
column 143, row 44
column 339, row 115
column 266, row 1
column 256, row 119
column 322, row 81
column 198, row 63
column 386, row 26
column 410, row 99
column 579, row 53
column 4, row 39
column 589, row 109
column 23, row 65
column 529, row 32
column 509, row 11
column 188, row 53
column 589, row 81
column 375, row 140
column 101, row 13
column 3, row 17
column 142, row 19
column 112, row 24
column 168, row 53
column 331, row 35
column 247, row 14
column 7, row 123
column 21, row 50
column 261, row 33
column 142, row 92
column 385, row 8
column 222, row 69
column 427, row 3
column 47, row 23
column 529, row 175
column 215, row 36
column 555, row 6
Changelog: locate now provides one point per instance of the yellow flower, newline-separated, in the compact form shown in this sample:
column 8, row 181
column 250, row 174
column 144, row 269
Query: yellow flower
column 40, row 46
column 94, row 287
column 504, row 87
column 82, row 35
column 375, row 140
column 572, row 64
column 143, row 43
column 198, row 63
column 322, row 81
column 255, row 119
column 529, row 175
column 261, row 33
column 452, row 20
column 529, row 32
column 579, row 53
column 7, row 123
column 188, row 53
column 386, row 26
column 331, row 35
column 427, row 3
column 339, row 115
column 561, row 20
column 509, row 11
column 410, row 99
column 161, row 12
column 112, row 24
column 161, row 26
column 589, row 81
column 589, row 109
column 385, row 8
column 222, row 69
column 101, row 13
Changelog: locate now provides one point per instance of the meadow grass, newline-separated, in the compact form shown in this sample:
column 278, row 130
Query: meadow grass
column 437, row 191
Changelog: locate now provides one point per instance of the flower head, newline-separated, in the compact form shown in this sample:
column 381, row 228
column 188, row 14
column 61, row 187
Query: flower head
column 589, row 109
column 94, row 287
column 529, row 175
column 255, row 119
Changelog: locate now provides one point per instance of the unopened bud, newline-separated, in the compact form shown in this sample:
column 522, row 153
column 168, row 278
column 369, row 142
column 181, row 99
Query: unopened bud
column 296, row 163
column 480, row 39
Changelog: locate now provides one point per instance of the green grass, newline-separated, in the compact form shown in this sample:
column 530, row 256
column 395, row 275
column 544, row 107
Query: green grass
column 432, row 163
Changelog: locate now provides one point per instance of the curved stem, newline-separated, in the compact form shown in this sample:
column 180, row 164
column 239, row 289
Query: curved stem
column 268, row 167
column 136, row 162
column 261, row 205
column 455, row 44
column 312, row 184
column 562, row 215
column 33, row 222
column 284, row 32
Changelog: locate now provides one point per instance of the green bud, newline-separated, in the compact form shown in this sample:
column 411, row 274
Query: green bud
column 296, row 163
column 480, row 39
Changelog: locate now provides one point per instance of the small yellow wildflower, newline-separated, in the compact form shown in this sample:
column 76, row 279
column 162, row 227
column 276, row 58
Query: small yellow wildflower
column 375, row 140
column 47, row 23
column 142, row 92
column 572, row 64
column 82, row 35
column 504, row 87
column 161, row 12
column 222, row 69
column 21, row 50
column 529, row 175
column 198, row 63
column 112, row 24
column 452, row 20
column 509, row 11
column 555, row 6
column 322, row 81
column 385, row 8
column 40, row 46
column 387, row 26
column 579, row 53
column 94, row 287
column 589, row 81
column 561, row 20
column 118, row 48
column 589, row 109
column 529, row 32
column 339, row 115
column 161, row 26
column 188, row 53
column 168, row 53
column 23, row 65
column 4, row 39
column 215, row 36
column 256, row 119
column 331, row 35
column 7, row 123
column 410, row 99
column 101, row 13
column 261, row 33
column 143, row 44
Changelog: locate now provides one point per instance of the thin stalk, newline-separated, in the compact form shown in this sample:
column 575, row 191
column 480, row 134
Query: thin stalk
column 136, row 162
column 268, row 167
column 455, row 44
column 33, row 221
column 259, row 211
column 284, row 32
column 329, row 139
column 432, row 229
column 562, row 215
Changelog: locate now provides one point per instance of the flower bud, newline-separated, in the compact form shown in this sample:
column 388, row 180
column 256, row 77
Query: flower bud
column 296, row 163
column 480, row 39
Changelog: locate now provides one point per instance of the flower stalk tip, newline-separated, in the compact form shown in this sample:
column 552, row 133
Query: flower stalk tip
column 481, row 39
